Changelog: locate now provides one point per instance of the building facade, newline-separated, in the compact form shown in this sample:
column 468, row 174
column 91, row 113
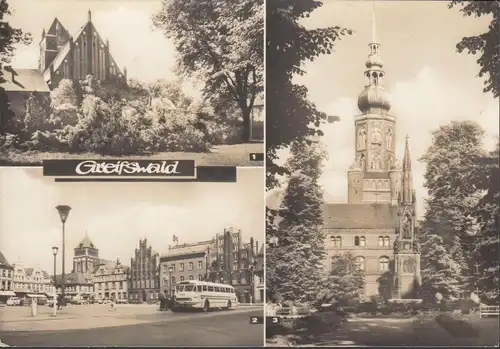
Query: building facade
column 31, row 281
column 144, row 276
column 6, row 279
column 377, row 224
column 224, row 259
column 111, row 281
column 184, row 262
column 76, row 284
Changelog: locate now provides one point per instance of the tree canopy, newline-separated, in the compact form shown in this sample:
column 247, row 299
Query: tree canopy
column 457, row 230
column 9, row 37
column 294, row 266
column 487, row 43
column 290, row 115
column 220, row 43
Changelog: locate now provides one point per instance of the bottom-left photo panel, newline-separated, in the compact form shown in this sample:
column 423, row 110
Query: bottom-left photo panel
column 144, row 263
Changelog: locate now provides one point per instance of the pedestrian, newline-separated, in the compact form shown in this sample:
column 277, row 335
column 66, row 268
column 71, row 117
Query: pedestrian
column 112, row 306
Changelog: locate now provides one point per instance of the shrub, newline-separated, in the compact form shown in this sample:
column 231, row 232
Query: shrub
column 285, row 326
column 457, row 327
column 9, row 141
column 319, row 323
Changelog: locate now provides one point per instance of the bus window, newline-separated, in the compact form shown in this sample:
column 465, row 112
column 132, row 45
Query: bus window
column 198, row 288
column 216, row 289
column 204, row 287
column 210, row 288
column 226, row 290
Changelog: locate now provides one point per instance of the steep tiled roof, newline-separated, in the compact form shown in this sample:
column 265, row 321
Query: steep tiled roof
column 359, row 216
column 23, row 80
column 188, row 248
column 86, row 242
column 74, row 278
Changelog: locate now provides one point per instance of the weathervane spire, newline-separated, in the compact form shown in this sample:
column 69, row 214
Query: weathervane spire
column 374, row 25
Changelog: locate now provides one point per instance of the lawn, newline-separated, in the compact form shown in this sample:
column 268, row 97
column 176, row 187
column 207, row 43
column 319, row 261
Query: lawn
column 222, row 155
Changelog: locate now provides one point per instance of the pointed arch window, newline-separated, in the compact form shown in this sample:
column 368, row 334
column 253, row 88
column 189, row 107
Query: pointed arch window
column 383, row 263
column 387, row 241
column 380, row 241
column 356, row 241
column 360, row 263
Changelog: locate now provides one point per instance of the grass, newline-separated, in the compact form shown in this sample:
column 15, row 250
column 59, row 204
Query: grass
column 223, row 155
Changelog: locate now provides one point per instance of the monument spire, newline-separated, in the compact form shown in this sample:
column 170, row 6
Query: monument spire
column 407, row 187
column 374, row 26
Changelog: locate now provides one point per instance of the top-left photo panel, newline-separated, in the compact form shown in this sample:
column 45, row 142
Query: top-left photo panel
column 141, row 79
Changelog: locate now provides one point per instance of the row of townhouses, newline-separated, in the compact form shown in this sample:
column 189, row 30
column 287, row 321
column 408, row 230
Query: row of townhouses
column 225, row 259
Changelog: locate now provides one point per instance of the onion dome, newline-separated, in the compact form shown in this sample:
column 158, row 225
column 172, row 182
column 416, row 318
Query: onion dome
column 374, row 96
column 355, row 167
column 374, row 60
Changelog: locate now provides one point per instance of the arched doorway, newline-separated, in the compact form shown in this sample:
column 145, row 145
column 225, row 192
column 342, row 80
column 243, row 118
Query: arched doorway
column 143, row 296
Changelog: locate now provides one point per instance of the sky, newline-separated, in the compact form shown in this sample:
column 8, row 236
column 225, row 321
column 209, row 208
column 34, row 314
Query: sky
column 430, row 83
column 117, row 215
column 146, row 53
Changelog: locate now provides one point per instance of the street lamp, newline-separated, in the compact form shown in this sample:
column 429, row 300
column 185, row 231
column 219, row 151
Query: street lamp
column 170, row 270
column 63, row 213
column 252, row 286
column 54, row 252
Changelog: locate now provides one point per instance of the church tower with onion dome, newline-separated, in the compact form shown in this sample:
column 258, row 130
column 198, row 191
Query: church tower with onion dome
column 374, row 176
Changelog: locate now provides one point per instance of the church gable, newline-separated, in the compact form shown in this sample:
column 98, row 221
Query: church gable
column 84, row 54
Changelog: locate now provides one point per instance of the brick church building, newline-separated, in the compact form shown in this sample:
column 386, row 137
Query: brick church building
column 377, row 224
column 62, row 56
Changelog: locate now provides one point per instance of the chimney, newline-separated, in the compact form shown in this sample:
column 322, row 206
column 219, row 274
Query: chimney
column 125, row 73
column 89, row 16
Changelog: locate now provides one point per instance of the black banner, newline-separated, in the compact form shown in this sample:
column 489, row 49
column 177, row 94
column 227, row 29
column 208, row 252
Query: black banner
column 119, row 168
column 224, row 174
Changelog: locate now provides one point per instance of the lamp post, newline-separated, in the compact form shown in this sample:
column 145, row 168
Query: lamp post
column 63, row 214
column 252, row 286
column 54, row 252
column 170, row 270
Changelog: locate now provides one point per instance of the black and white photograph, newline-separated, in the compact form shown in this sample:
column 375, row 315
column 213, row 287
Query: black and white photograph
column 131, row 264
column 154, row 79
column 382, row 166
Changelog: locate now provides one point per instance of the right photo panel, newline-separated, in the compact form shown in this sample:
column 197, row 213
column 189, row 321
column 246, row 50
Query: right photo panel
column 382, row 173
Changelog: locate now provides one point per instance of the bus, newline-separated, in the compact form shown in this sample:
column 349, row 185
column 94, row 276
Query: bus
column 204, row 295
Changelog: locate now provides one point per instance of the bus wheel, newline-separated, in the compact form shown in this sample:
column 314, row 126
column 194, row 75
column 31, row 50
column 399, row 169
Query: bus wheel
column 228, row 305
column 206, row 306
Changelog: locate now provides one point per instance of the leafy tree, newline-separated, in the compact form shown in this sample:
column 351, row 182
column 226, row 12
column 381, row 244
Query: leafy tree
column 290, row 115
column 487, row 240
column 452, row 179
column 488, row 43
column 294, row 266
column 220, row 43
column 439, row 269
column 345, row 281
column 9, row 37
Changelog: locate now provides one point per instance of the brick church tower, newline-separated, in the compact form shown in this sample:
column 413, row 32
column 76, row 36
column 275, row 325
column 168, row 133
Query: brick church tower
column 374, row 177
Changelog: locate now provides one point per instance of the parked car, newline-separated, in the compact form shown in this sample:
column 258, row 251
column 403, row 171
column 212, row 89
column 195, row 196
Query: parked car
column 12, row 301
